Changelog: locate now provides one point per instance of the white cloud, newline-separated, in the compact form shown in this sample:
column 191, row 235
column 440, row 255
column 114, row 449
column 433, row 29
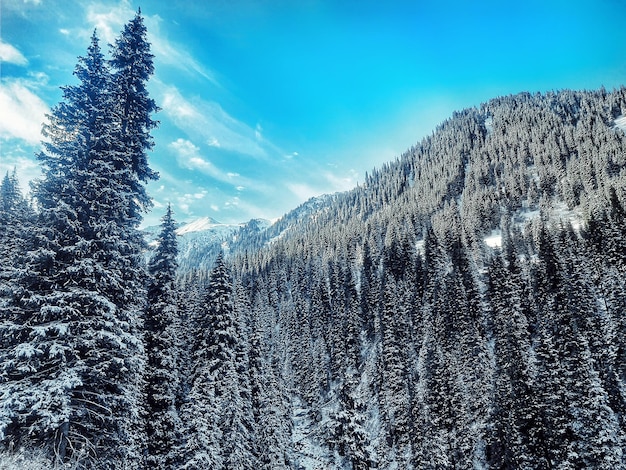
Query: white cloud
column 19, row 5
column 108, row 20
column 10, row 54
column 233, row 202
column 38, row 79
column 208, row 122
column 341, row 183
column 188, row 156
column 329, row 183
column 175, row 55
column 303, row 191
column 23, row 112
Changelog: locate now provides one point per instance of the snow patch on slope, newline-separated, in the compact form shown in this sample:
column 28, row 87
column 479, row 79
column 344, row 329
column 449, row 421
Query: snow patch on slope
column 308, row 451
column 494, row 239
column 419, row 247
column 620, row 123
column 489, row 125
column 562, row 213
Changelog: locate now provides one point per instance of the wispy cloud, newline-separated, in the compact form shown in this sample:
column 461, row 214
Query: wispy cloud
column 302, row 191
column 175, row 55
column 208, row 122
column 19, row 5
column 336, row 182
column 327, row 183
column 23, row 112
column 189, row 157
column 107, row 19
column 110, row 20
column 9, row 53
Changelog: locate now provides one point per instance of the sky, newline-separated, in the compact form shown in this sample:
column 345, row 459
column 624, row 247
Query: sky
column 266, row 103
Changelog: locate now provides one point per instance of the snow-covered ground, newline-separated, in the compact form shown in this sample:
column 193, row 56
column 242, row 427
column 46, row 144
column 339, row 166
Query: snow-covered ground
column 558, row 213
column 494, row 239
column 489, row 125
column 620, row 123
column 563, row 214
column 309, row 454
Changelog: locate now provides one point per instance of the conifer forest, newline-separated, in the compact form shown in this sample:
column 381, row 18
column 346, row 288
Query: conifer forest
column 464, row 307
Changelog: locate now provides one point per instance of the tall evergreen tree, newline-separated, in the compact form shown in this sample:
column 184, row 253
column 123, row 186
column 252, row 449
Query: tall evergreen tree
column 132, row 66
column 16, row 220
column 511, row 420
column 218, row 425
column 73, row 368
column 163, row 424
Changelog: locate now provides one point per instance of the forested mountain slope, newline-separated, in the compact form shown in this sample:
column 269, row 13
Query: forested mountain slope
column 515, row 153
column 394, row 337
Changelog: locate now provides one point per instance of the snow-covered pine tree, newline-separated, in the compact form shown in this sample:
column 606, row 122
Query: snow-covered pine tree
column 43, row 366
column 218, row 428
column 73, row 366
column 16, row 219
column 163, row 425
column 512, row 404
column 132, row 66
column 270, row 404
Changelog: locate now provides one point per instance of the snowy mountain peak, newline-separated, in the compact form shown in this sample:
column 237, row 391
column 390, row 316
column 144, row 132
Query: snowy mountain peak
column 198, row 225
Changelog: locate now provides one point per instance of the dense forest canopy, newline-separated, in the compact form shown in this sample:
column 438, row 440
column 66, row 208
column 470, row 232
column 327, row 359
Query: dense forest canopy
column 462, row 308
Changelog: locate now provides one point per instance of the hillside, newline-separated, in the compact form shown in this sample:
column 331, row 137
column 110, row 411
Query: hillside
column 404, row 323
column 463, row 305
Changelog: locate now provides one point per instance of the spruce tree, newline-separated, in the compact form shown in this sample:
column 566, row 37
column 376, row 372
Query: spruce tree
column 511, row 419
column 132, row 66
column 16, row 220
column 163, row 424
column 74, row 362
column 217, row 417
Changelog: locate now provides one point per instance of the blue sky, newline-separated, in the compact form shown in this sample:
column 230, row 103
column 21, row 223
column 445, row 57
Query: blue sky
column 267, row 103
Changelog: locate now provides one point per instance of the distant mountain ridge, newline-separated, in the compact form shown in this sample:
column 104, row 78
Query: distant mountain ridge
column 201, row 240
column 198, row 225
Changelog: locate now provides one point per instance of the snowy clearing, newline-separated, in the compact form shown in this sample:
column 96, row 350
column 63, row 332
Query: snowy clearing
column 489, row 125
column 494, row 239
